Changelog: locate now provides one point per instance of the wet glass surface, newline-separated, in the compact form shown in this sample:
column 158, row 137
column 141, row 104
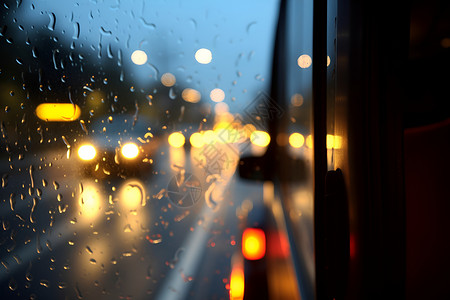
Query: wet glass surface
column 122, row 124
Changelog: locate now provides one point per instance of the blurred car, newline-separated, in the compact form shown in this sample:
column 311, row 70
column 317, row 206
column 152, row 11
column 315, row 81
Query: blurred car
column 118, row 146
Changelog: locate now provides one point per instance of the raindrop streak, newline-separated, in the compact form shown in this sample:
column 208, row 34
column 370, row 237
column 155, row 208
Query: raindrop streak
column 194, row 23
column 4, row 180
column 45, row 283
column 31, row 176
column 49, row 245
column 109, row 51
column 33, row 208
column 76, row 30
column 38, row 245
column 119, row 58
column 155, row 69
column 55, row 64
column 249, row 26
column 83, row 126
column 147, row 24
column 51, row 24
column 89, row 250
column 65, row 141
column 34, row 52
column 104, row 31
column 12, row 201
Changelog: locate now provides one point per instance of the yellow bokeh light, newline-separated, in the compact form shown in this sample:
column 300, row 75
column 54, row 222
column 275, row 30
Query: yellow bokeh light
column 260, row 138
column 221, row 108
column 217, row 95
column 203, row 56
column 328, row 60
column 304, row 61
column 309, row 142
column 237, row 283
column 191, row 95
column 58, row 112
column 130, row 150
column 139, row 57
column 209, row 137
column 196, row 140
column 176, row 140
column 90, row 203
column 132, row 195
column 296, row 140
column 334, row 142
column 87, row 152
column 168, row 79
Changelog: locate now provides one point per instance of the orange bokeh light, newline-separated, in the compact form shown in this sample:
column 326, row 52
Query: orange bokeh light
column 253, row 243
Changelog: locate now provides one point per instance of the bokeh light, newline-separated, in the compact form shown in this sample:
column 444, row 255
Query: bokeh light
column 260, row 138
column 304, row 61
column 130, row 150
column 296, row 140
column 87, row 152
column 168, row 79
column 191, row 95
column 203, row 56
column 139, row 57
column 196, row 140
column 217, row 95
column 176, row 140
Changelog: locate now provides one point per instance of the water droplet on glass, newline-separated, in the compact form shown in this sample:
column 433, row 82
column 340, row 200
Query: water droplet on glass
column 12, row 284
column 147, row 24
column 62, row 285
column 33, row 208
column 89, row 250
column 103, row 31
column 45, row 283
column 49, row 245
column 76, row 30
column 3, row 30
column 154, row 239
column 34, row 52
column 92, row 261
column 83, row 126
column 19, row 61
column 52, row 22
column 172, row 94
column 127, row 228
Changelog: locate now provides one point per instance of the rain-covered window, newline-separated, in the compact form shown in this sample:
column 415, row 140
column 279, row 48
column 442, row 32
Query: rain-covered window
column 122, row 128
